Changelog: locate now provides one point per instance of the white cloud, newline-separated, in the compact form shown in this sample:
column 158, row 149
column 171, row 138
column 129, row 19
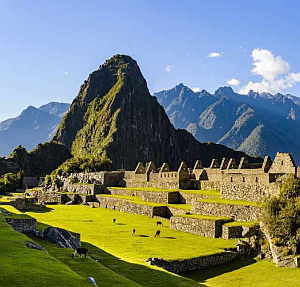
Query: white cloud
column 196, row 90
column 66, row 74
column 267, row 65
column 168, row 68
column 233, row 82
column 214, row 55
column 274, row 72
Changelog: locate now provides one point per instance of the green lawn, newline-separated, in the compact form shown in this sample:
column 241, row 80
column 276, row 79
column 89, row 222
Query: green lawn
column 96, row 227
column 257, row 274
column 22, row 266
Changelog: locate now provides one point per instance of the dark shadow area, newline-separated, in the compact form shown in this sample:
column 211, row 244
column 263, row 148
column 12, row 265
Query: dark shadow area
column 202, row 275
column 120, row 223
column 168, row 237
column 143, row 235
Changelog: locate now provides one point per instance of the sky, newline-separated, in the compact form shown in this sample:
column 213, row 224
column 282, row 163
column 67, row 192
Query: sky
column 48, row 48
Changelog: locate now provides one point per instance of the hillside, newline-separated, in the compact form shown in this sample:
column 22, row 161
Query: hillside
column 257, row 124
column 114, row 114
column 31, row 127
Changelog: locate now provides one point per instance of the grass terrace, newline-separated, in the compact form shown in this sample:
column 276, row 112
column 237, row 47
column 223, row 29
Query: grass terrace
column 228, row 201
column 214, row 193
column 204, row 217
column 138, row 200
column 242, row 223
column 96, row 227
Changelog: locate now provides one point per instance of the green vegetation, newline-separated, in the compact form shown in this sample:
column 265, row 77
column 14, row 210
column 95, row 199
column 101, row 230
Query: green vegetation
column 247, row 273
column 281, row 216
column 153, row 189
column 138, row 200
column 22, row 266
column 9, row 182
column 242, row 223
column 96, row 227
column 234, row 202
column 205, row 217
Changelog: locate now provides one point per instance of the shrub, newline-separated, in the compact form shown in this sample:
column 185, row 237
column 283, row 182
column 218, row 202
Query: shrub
column 9, row 182
column 281, row 215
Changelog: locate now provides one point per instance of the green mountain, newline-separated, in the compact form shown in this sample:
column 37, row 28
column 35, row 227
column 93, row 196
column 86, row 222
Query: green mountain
column 114, row 114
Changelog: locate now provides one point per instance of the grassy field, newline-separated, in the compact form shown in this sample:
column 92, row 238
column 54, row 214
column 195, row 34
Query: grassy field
column 248, row 273
column 22, row 266
column 123, row 256
column 96, row 227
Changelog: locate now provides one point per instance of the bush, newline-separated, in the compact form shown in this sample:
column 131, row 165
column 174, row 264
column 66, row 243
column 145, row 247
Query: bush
column 281, row 215
column 9, row 182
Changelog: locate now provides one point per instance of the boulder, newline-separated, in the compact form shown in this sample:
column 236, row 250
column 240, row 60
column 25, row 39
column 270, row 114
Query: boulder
column 62, row 237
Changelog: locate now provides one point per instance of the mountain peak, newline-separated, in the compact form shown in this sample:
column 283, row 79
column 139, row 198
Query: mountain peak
column 114, row 115
column 224, row 90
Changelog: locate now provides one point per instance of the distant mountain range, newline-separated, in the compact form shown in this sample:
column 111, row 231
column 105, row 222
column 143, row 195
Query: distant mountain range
column 31, row 127
column 256, row 123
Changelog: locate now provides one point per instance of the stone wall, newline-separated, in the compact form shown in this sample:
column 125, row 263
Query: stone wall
column 203, row 227
column 82, row 188
column 237, row 212
column 160, row 197
column 24, row 225
column 105, row 178
column 209, row 185
column 131, row 207
column 197, row 263
column 243, row 191
column 229, row 232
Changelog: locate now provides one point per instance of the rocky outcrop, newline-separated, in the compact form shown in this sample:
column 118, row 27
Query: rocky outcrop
column 114, row 114
column 62, row 237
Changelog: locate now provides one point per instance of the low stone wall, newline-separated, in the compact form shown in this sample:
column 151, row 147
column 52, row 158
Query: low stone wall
column 82, row 188
column 203, row 227
column 131, row 207
column 123, row 191
column 189, row 198
column 24, row 225
column 197, row 263
column 238, row 212
column 177, row 211
column 209, row 185
column 160, row 197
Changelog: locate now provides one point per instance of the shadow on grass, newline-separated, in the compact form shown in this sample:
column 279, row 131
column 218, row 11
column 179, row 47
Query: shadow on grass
column 167, row 237
column 202, row 275
column 143, row 235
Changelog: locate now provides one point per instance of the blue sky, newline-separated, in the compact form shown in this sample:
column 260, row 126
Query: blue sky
column 48, row 48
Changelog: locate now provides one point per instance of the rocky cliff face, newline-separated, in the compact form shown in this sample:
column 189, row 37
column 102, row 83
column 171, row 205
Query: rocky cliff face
column 114, row 114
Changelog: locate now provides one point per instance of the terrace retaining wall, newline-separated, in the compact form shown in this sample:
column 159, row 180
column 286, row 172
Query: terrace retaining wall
column 132, row 207
column 237, row 212
column 197, row 263
column 203, row 227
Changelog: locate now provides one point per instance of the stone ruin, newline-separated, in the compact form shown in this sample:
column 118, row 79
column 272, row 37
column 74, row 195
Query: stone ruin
column 240, row 186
